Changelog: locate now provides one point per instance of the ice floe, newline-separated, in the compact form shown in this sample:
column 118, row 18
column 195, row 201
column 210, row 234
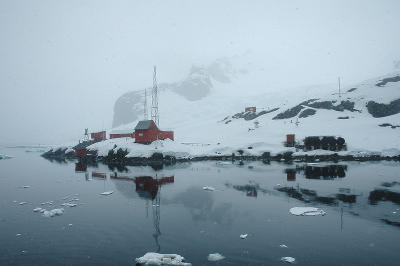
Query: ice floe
column 54, row 212
column 26, row 186
column 306, row 211
column 282, row 246
column 18, row 235
column 244, row 236
column 152, row 258
column 208, row 188
column 37, row 209
column 23, row 203
column 106, row 193
column 215, row 257
column 69, row 204
column 288, row 259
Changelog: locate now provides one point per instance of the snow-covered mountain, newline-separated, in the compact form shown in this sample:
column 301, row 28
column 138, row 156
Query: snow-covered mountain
column 208, row 107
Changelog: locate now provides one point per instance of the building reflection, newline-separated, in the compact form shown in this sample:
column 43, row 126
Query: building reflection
column 321, row 172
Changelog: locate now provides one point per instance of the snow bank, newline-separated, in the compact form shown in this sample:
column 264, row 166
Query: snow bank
column 215, row 257
column 152, row 258
column 306, row 211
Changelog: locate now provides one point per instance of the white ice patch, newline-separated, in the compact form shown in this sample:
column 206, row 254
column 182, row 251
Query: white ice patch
column 306, row 211
column 208, row 188
column 106, row 193
column 69, row 204
column 215, row 257
column 244, row 236
column 152, row 258
column 54, row 212
column 283, row 246
column 288, row 259
column 37, row 209
column 23, row 203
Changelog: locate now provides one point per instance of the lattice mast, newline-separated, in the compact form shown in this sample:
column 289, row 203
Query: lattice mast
column 145, row 105
column 154, row 99
column 340, row 93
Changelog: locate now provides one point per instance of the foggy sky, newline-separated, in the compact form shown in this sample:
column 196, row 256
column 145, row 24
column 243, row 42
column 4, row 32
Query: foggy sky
column 64, row 63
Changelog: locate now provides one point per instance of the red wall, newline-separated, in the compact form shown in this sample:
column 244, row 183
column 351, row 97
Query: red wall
column 81, row 152
column 98, row 135
column 115, row 136
column 146, row 136
column 248, row 109
column 166, row 135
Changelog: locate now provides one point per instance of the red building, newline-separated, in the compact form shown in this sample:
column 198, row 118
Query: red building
column 127, row 133
column 146, row 131
column 250, row 109
column 98, row 135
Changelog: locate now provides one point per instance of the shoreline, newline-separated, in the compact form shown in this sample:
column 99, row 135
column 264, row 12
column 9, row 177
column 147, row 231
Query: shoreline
column 159, row 158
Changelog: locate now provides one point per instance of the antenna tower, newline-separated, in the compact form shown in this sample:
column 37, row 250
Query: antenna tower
column 154, row 99
column 145, row 105
column 340, row 94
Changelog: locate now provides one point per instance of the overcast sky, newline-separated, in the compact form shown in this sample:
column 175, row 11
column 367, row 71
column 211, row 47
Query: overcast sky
column 64, row 63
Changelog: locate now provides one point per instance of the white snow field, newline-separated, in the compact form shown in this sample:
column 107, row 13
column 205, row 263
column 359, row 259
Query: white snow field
column 205, row 126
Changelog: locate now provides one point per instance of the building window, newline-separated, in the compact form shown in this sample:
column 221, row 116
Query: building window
column 140, row 134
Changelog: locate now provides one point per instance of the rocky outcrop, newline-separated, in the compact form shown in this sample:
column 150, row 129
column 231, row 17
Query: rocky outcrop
column 382, row 110
column 384, row 81
column 313, row 103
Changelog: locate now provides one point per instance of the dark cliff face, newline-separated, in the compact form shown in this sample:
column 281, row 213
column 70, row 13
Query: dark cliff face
column 128, row 108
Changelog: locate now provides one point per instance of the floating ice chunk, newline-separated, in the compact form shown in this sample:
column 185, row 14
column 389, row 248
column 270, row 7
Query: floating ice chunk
column 18, row 235
column 106, row 193
column 152, row 258
column 306, row 211
column 37, row 209
column 23, row 203
column 282, row 246
column 215, row 257
column 288, row 259
column 54, row 212
column 15, row 201
column 69, row 224
column 244, row 236
column 3, row 156
column 26, row 186
column 69, row 204
column 208, row 188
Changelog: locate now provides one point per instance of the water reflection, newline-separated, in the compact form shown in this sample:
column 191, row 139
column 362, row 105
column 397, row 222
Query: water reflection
column 315, row 171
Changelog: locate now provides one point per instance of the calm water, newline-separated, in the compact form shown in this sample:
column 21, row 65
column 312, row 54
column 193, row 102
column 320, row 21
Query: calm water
column 168, row 211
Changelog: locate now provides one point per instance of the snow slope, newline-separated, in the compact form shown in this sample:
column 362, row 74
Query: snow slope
column 205, row 125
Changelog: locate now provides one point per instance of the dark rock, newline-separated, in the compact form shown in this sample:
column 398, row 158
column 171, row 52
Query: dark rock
column 307, row 113
column 290, row 113
column 384, row 81
column 382, row 110
column 252, row 115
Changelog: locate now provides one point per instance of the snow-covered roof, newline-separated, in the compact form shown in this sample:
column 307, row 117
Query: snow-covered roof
column 144, row 124
column 122, row 131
